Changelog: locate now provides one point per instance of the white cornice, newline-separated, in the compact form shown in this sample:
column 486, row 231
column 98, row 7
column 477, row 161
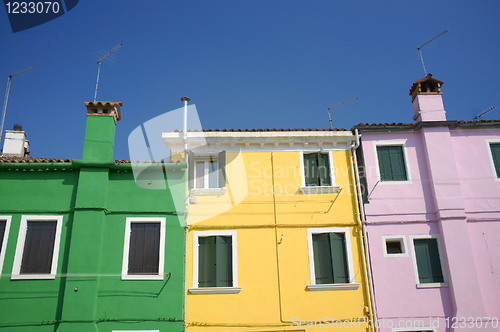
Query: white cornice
column 261, row 141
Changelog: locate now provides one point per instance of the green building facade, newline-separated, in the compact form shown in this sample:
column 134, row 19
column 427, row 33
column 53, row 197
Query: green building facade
column 84, row 247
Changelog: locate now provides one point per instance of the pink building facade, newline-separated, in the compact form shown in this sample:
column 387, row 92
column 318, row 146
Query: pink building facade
column 431, row 192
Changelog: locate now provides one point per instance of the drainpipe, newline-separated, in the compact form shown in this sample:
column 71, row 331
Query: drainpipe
column 361, row 219
column 277, row 242
column 186, row 214
column 184, row 129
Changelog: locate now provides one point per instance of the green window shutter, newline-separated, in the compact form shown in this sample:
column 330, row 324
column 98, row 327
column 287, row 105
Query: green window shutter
column 3, row 224
column 144, row 248
column 323, row 270
column 384, row 163
column 391, row 163
column 222, row 169
column 339, row 258
column 362, row 174
column 38, row 247
column 495, row 152
column 206, row 261
column 428, row 262
column 223, row 261
column 310, row 170
column 324, row 169
column 397, row 163
column 191, row 164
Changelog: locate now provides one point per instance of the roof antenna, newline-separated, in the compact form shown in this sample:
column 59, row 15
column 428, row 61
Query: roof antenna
column 330, row 117
column 6, row 99
column 483, row 113
column 99, row 69
column 418, row 48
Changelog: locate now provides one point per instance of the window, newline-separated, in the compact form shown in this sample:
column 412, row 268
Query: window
column 413, row 329
column 427, row 260
column 37, row 248
column 391, row 163
column 215, row 262
column 495, row 156
column 317, row 172
column 4, row 235
column 330, row 259
column 144, row 249
column 394, row 246
column 207, row 173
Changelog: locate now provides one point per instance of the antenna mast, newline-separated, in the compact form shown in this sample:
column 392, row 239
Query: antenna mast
column 99, row 69
column 483, row 113
column 418, row 48
column 329, row 116
column 7, row 98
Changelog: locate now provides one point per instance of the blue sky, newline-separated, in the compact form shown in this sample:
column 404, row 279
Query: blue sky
column 246, row 64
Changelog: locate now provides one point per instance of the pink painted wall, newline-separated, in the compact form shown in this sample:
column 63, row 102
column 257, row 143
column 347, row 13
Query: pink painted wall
column 415, row 207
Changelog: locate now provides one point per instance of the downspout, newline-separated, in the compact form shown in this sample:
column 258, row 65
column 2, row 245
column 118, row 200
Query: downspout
column 186, row 214
column 277, row 242
column 361, row 219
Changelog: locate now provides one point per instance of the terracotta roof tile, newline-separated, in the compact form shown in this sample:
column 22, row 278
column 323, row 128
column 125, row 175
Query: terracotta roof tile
column 478, row 121
column 103, row 103
column 384, row 124
column 393, row 124
column 33, row 160
column 264, row 130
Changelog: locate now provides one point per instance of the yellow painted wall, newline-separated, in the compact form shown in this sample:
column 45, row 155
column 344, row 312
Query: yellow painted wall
column 274, row 277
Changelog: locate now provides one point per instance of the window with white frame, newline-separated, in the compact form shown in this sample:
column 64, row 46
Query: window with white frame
column 392, row 162
column 317, row 172
column 414, row 329
column 427, row 260
column 37, row 249
column 4, row 235
column 207, row 171
column 215, row 262
column 394, row 246
column 144, row 249
column 494, row 150
column 330, row 259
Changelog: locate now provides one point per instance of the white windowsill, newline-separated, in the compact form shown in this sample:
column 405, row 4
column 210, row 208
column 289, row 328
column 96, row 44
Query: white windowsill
column 215, row 290
column 142, row 277
column 208, row 191
column 326, row 287
column 319, row 189
column 32, row 276
column 433, row 285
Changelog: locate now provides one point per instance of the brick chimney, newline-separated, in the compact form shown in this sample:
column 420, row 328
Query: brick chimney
column 15, row 142
column 427, row 100
column 102, row 117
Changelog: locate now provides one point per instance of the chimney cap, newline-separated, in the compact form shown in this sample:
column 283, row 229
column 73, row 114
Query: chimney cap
column 428, row 80
column 18, row 127
column 111, row 108
column 185, row 99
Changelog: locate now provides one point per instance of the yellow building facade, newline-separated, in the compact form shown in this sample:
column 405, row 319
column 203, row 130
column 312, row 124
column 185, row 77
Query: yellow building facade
column 274, row 239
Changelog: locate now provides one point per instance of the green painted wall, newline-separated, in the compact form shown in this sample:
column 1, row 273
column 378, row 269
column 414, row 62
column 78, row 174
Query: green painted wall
column 94, row 197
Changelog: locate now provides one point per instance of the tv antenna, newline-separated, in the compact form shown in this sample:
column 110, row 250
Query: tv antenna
column 483, row 113
column 330, row 117
column 419, row 52
column 99, row 69
column 7, row 98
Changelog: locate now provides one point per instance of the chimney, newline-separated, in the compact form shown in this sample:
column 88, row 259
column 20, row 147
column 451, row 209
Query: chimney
column 102, row 117
column 427, row 100
column 15, row 142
